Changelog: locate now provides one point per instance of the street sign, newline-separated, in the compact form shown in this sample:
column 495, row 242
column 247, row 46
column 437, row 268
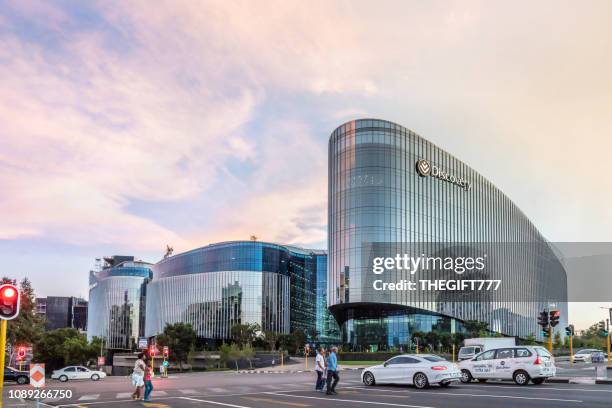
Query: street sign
column 101, row 361
column 142, row 343
column 37, row 375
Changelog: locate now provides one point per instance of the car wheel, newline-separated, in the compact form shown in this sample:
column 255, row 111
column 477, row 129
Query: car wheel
column 538, row 381
column 22, row 380
column 420, row 381
column 521, row 377
column 482, row 380
column 445, row 384
column 95, row 377
column 63, row 378
column 466, row 376
column 368, row 378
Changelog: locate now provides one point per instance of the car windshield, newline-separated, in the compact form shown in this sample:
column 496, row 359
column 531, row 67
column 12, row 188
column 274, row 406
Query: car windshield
column 434, row 359
column 466, row 350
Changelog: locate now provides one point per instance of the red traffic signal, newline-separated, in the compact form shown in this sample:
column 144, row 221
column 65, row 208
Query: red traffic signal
column 9, row 301
column 554, row 317
column 21, row 353
column 166, row 351
column 152, row 350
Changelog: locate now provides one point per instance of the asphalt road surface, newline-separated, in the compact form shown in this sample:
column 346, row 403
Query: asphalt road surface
column 296, row 390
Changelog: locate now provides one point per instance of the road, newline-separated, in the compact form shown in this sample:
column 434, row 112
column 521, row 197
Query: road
column 295, row 390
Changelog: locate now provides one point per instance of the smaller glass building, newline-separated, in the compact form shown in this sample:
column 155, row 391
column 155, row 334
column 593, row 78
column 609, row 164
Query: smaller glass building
column 239, row 282
column 116, row 307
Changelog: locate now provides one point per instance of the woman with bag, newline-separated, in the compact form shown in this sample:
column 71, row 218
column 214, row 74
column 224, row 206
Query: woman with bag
column 138, row 376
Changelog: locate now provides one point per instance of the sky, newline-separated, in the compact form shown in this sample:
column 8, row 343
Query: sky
column 129, row 125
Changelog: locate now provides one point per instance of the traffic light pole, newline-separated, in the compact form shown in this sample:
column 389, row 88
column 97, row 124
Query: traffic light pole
column 571, row 349
column 550, row 339
column 608, row 338
column 3, row 324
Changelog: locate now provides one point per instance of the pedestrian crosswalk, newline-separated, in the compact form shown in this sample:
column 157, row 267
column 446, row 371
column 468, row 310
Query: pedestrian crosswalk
column 90, row 397
column 192, row 392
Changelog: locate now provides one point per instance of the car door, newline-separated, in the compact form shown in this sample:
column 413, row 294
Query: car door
column 483, row 365
column 391, row 371
column 412, row 365
column 71, row 373
column 504, row 363
column 83, row 373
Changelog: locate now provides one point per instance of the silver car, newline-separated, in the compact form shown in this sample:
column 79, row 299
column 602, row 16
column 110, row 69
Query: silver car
column 521, row 364
column 420, row 370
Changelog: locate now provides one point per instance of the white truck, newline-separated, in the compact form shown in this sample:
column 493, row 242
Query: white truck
column 472, row 347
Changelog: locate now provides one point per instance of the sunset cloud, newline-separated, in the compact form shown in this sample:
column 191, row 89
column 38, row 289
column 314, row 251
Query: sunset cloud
column 127, row 126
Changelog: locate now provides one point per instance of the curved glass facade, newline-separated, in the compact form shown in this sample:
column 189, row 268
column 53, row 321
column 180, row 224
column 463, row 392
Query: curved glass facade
column 376, row 195
column 217, row 286
column 116, row 308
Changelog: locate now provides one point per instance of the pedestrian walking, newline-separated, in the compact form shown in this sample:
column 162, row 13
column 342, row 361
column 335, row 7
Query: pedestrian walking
column 138, row 376
column 148, row 384
column 320, row 369
column 332, row 372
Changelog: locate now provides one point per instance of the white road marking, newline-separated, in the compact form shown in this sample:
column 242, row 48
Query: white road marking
column 189, row 392
column 540, row 387
column 159, row 393
column 214, row 402
column 348, row 400
column 217, row 389
column 122, row 395
column 89, row 397
column 476, row 395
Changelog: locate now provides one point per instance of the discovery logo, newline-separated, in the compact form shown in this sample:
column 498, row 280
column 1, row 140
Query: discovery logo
column 424, row 168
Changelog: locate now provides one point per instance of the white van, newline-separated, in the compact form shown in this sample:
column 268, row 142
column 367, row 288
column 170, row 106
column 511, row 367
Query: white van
column 520, row 363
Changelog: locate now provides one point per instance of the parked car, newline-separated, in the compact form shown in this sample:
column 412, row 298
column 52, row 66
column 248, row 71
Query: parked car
column 584, row 355
column 420, row 370
column 521, row 364
column 77, row 373
column 20, row 377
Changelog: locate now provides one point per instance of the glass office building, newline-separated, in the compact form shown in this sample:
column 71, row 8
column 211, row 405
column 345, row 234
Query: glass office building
column 116, row 307
column 238, row 282
column 389, row 185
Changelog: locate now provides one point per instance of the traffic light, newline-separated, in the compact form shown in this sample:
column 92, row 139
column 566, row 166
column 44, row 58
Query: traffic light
column 9, row 302
column 569, row 330
column 546, row 331
column 543, row 319
column 152, row 350
column 166, row 352
column 21, row 353
column 601, row 326
column 554, row 317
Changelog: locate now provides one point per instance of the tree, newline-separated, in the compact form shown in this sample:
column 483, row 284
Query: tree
column 180, row 339
column 244, row 333
column 476, row 328
column 60, row 347
column 530, row 340
column 248, row 353
column 299, row 338
column 230, row 352
column 271, row 338
column 557, row 343
column 27, row 327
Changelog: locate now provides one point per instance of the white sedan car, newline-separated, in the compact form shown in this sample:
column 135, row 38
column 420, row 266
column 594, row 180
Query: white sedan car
column 584, row 355
column 420, row 370
column 77, row 373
